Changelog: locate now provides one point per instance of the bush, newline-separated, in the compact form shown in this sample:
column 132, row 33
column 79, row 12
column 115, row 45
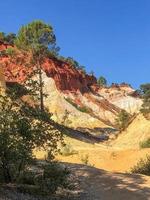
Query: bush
column 145, row 144
column 22, row 129
column 73, row 63
column 145, row 91
column 8, row 38
column 10, row 52
column 80, row 108
column 85, row 159
column 46, row 179
column 122, row 120
column 53, row 177
column 142, row 167
column 102, row 81
column 67, row 150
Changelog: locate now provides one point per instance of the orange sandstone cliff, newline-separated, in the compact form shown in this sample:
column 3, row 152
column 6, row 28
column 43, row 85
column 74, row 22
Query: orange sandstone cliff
column 73, row 93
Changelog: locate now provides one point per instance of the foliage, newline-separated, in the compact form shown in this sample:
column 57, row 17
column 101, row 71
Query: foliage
column 142, row 167
column 67, row 150
column 102, row 81
column 122, row 120
column 8, row 38
column 65, row 119
column 38, row 38
column 85, row 159
column 80, row 108
column 46, row 180
column 35, row 36
column 145, row 144
column 2, row 36
column 72, row 62
column 10, row 52
column 53, row 177
column 145, row 91
column 16, row 90
column 22, row 129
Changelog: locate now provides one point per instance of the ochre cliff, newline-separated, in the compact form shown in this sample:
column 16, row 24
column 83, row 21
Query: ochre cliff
column 72, row 92
column 66, row 77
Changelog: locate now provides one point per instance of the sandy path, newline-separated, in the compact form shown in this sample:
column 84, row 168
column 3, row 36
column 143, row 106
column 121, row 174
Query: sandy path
column 96, row 184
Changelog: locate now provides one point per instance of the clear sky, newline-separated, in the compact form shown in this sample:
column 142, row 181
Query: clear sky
column 110, row 37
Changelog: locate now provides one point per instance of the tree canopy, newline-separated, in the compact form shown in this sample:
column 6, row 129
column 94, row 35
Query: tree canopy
column 9, row 38
column 145, row 91
column 35, row 36
column 102, row 81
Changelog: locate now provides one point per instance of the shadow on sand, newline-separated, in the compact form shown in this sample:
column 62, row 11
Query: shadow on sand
column 97, row 184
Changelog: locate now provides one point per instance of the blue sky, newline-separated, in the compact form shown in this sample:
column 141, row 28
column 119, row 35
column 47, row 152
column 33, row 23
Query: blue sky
column 109, row 37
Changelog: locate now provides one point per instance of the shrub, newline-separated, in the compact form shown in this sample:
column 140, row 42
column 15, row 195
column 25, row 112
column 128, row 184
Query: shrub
column 145, row 144
column 73, row 63
column 122, row 120
column 80, row 108
column 67, row 150
column 145, row 91
column 53, row 176
column 8, row 38
column 142, row 167
column 45, row 179
column 85, row 159
column 102, row 81
column 22, row 129
column 10, row 52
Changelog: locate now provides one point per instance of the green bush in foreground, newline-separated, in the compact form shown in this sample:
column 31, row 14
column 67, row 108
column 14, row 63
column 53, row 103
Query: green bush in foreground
column 145, row 144
column 142, row 167
column 46, row 180
column 22, row 129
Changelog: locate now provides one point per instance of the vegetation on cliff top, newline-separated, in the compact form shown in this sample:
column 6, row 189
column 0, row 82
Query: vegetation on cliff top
column 145, row 91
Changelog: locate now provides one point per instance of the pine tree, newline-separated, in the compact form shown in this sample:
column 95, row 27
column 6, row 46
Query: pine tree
column 38, row 38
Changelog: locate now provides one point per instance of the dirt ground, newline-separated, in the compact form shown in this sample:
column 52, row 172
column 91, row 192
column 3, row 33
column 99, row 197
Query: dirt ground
column 96, row 184
column 106, row 173
column 101, row 156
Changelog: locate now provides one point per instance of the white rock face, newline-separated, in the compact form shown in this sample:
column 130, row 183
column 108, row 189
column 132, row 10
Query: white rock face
column 121, row 97
column 101, row 108
column 59, row 107
column 130, row 104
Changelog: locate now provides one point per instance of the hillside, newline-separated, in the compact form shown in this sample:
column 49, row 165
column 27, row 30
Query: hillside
column 74, row 98
column 138, row 131
column 80, row 105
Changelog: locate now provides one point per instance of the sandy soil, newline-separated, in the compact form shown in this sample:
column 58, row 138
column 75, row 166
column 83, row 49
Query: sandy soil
column 106, row 176
column 101, row 156
column 96, row 184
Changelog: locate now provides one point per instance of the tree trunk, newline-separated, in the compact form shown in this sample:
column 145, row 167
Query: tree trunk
column 41, row 87
column 6, row 173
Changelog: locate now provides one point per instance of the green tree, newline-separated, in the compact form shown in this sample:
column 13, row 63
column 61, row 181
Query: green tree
column 2, row 36
column 122, row 120
column 10, row 38
column 102, row 81
column 145, row 91
column 38, row 38
column 22, row 129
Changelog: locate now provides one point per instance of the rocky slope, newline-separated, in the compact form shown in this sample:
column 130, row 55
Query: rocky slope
column 74, row 98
